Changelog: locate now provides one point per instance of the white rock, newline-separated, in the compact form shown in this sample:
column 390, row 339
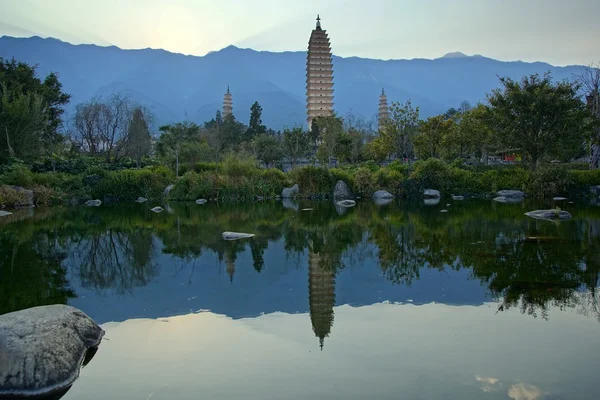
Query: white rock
column 346, row 203
column 42, row 349
column 157, row 209
column 289, row 193
column 549, row 215
column 4, row 213
column 201, row 201
column 559, row 199
column 236, row 235
column 93, row 203
column 141, row 200
column 508, row 200
column 431, row 202
column 307, row 209
column 431, row 194
column 444, row 211
column 511, row 194
column 382, row 194
column 458, row 197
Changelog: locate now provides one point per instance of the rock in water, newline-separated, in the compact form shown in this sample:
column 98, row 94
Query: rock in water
column 559, row 199
column 444, row 211
column 508, row 200
column 4, row 213
column 168, row 190
column 457, row 198
column 93, row 203
column 549, row 215
column 157, row 209
column 383, row 194
column 382, row 202
column 346, row 203
column 342, row 191
column 201, row 201
column 236, row 235
column 511, row 194
column 42, row 349
column 431, row 202
column 431, row 194
column 141, row 200
column 289, row 193
column 26, row 196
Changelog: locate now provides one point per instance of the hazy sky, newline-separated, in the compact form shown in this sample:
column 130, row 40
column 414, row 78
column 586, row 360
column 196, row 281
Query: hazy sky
column 557, row 31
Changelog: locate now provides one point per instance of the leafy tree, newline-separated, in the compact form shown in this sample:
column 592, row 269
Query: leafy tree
column 538, row 117
column 331, row 130
column 139, row 143
column 230, row 134
column 174, row 138
column 267, row 149
column 255, row 126
column 398, row 130
column 589, row 81
column 31, row 111
column 295, row 144
column 432, row 133
column 473, row 135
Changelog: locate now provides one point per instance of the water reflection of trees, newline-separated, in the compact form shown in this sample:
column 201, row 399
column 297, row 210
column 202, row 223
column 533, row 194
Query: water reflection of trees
column 525, row 263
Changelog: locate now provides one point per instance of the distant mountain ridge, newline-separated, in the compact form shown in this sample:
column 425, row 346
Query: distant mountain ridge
column 176, row 86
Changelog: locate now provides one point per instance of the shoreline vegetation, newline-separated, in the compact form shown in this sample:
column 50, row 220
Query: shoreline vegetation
column 241, row 179
column 523, row 137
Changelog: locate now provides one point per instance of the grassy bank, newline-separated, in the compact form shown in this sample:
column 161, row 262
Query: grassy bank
column 238, row 179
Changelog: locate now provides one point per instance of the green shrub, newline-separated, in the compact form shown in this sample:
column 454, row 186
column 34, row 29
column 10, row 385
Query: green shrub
column 550, row 181
column 312, row 180
column 205, row 166
column 239, row 165
column 465, row 181
column 515, row 178
column 9, row 197
column 18, row 175
column 364, row 182
column 585, row 178
column 45, row 195
column 127, row 185
column 432, row 174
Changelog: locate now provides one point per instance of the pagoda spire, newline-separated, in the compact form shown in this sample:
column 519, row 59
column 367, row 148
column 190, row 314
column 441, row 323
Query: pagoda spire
column 319, row 75
column 384, row 111
column 227, row 103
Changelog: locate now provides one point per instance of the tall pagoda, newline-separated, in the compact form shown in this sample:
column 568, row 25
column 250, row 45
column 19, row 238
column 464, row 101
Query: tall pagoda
column 227, row 104
column 321, row 296
column 384, row 111
column 319, row 75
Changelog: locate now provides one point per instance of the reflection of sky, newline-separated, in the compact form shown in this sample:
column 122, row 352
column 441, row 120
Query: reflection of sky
column 383, row 351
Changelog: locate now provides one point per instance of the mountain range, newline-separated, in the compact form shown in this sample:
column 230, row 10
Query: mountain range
column 176, row 86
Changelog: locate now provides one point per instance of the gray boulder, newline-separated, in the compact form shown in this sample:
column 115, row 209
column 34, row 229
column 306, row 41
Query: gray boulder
column 431, row 202
column 290, row 204
column 4, row 213
column 141, row 200
column 27, row 196
column 201, row 201
column 382, row 202
column 458, row 198
column 289, row 193
column 549, row 215
column 168, row 190
column 431, row 194
column 42, row 349
column 236, row 235
column 346, row 203
column 559, row 198
column 157, row 209
column 383, row 194
column 342, row 191
column 508, row 200
column 511, row 194
column 93, row 203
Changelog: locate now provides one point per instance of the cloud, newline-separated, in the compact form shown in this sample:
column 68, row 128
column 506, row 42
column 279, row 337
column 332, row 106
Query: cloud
column 523, row 391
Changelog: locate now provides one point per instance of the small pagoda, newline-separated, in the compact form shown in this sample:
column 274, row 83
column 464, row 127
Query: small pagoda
column 227, row 104
column 321, row 296
column 384, row 111
column 319, row 75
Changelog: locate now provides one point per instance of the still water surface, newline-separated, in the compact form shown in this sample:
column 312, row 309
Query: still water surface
column 383, row 302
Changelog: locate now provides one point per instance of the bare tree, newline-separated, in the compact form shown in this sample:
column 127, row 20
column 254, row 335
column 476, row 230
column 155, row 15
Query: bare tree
column 589, row 80
column 113, row 121
column 86, row 134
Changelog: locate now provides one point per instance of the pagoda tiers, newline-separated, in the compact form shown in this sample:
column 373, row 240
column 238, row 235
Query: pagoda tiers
column 319, row 75
column 321, row 296
column 384, row 111
column 227, row 104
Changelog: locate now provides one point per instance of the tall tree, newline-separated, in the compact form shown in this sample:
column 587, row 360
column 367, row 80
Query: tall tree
column 139, row 143
column 538, row 117
column 173, row 139
column 295, row 144
column 331, row 130
column 431, row 135
column 589, row 80
column 255, row 126
column 398, row 130
column 267, row 149
column 113, row 121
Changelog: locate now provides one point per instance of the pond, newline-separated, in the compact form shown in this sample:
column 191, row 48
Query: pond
column 382, row 302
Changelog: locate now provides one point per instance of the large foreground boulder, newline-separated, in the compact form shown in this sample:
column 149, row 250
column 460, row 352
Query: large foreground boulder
column 511, row 194
column 549, row 215
column 383, row 195
column 431, row 194
column 292, row 192
column 42, row 349
column 341, row 191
